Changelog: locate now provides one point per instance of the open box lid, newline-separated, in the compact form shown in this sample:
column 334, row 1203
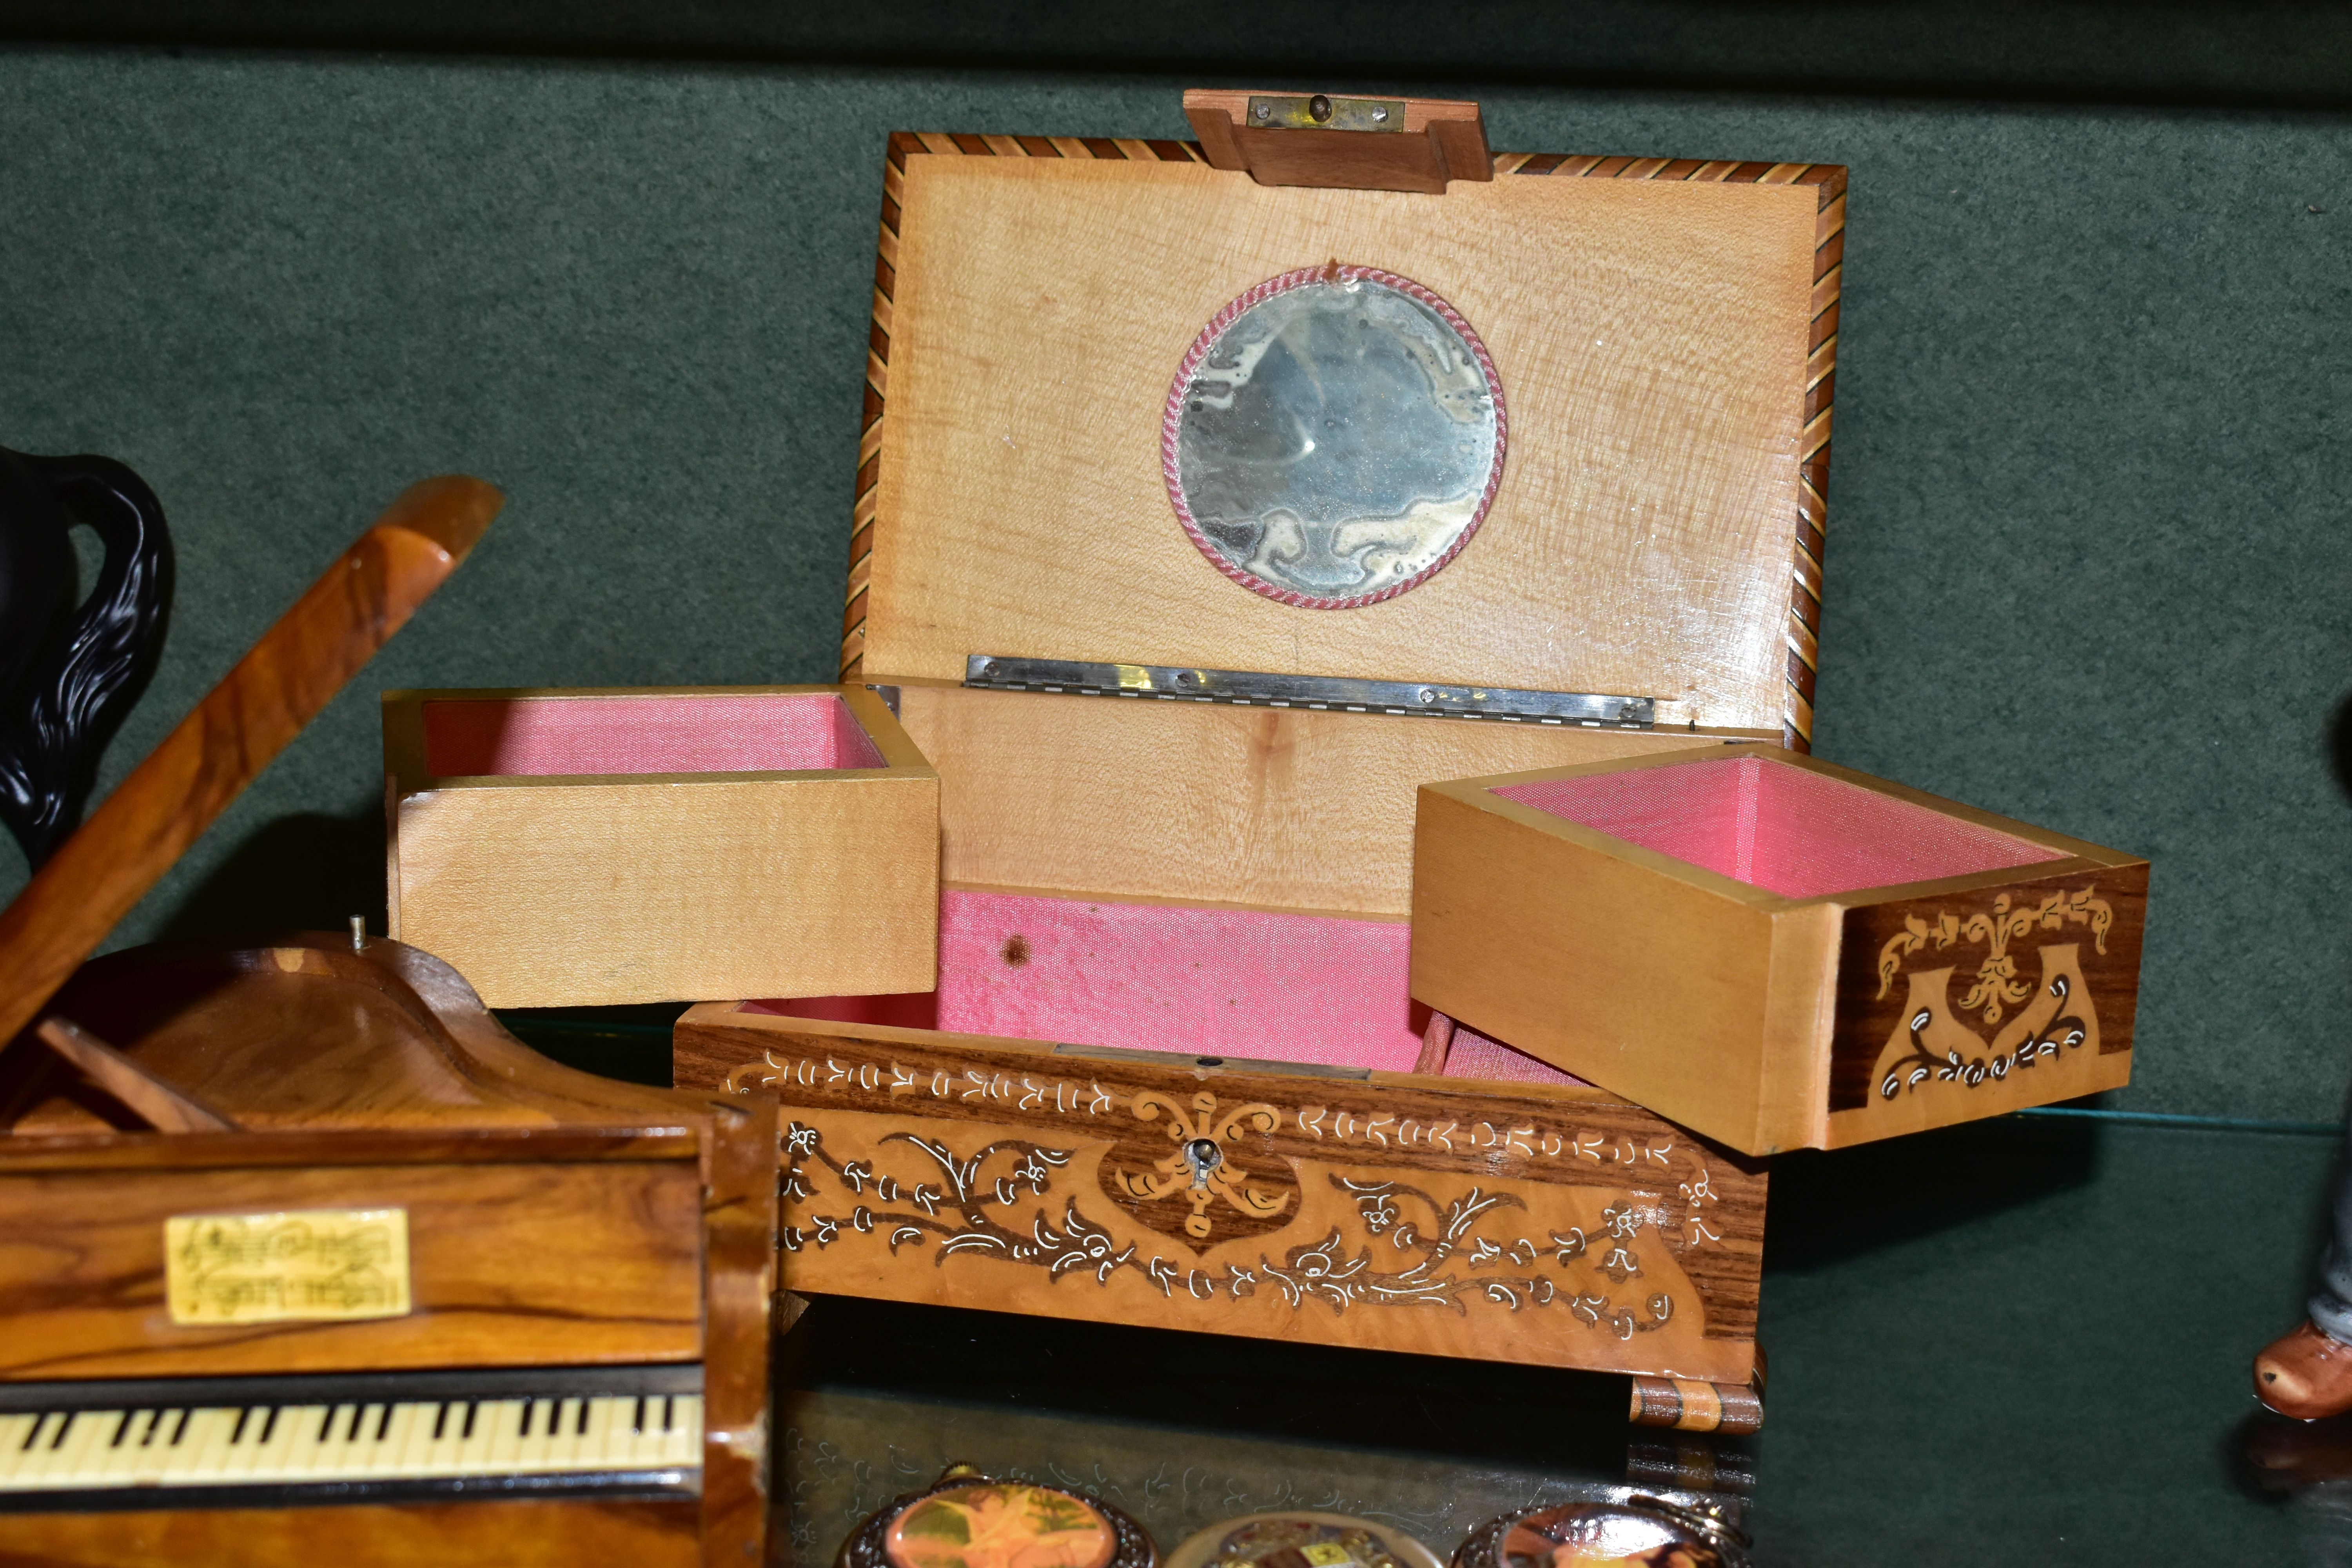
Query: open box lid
column 1663, row 333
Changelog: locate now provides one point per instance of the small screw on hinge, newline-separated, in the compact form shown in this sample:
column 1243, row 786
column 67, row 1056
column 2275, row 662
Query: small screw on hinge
column 1265, row 112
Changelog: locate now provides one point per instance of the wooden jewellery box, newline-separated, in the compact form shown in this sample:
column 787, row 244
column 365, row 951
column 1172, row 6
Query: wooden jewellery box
column 579, row 848
column 1202, row 518
column 1774, row 952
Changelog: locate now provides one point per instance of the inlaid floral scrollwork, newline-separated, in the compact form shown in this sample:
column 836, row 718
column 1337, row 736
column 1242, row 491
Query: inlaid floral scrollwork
column 1448, row 1256
column 1996, row 986
column 1200, row 1168
column 2064, row 1031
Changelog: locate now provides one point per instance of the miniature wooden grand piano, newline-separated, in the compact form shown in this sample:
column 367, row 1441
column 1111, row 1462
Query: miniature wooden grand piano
column 303, row 1258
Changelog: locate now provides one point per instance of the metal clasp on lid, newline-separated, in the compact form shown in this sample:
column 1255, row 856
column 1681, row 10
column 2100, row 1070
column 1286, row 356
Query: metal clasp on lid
column 1250, row 689
column 1320, row 111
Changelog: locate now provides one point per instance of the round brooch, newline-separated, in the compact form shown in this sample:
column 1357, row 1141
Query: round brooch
column 968, row 1520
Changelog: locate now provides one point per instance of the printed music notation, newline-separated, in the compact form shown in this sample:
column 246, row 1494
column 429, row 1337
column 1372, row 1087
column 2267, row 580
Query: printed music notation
column 293, row 1265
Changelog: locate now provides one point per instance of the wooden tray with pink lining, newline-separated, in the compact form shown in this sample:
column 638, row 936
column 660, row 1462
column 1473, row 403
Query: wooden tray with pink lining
column 586, row 847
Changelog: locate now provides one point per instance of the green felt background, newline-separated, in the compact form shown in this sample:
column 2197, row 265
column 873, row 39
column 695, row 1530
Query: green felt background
column 2087, row 559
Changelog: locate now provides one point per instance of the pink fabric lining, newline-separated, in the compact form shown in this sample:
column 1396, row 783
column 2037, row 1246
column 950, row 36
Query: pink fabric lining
column 1226, row 983
column 1782, row 829
column 1475, row 1055
column 531, row 737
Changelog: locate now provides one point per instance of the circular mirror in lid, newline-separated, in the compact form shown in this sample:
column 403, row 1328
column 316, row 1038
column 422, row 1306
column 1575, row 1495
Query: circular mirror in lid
column 1334, row 437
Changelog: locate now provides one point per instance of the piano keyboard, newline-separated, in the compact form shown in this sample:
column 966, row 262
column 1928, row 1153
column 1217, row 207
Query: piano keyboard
column 291, row 1437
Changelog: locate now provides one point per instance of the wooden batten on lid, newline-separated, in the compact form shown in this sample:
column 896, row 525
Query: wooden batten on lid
column 1658, row 336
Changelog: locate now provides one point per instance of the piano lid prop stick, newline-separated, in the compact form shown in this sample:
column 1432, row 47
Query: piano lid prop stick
column 166, row 1108
column 299, row 665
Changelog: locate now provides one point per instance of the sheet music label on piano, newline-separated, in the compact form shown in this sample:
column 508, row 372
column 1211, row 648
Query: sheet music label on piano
column 310, row 1265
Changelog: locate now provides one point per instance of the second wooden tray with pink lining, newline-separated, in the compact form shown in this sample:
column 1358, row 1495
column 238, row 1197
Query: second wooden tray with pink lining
column 1775, row 951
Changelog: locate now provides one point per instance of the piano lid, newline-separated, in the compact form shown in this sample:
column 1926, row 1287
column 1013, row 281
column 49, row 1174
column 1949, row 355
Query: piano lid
column 144, row 827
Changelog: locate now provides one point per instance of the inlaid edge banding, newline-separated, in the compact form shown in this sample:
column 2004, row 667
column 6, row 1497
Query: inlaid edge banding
column 1810, row 523
column 1688, row 1405
column 901, row 146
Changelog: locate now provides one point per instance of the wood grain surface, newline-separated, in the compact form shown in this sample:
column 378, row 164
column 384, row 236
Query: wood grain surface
column 141, row 829
column 310, row 1035
column 582, row 892
column 642, row 1533
column 739, row 1242
column 540, row 1265
column 1279, row 808
column 588, row 895
column 1638, row 542
column 377, row 1049
column 1802, row 537
column 279, row 1148
column 1505, row 1222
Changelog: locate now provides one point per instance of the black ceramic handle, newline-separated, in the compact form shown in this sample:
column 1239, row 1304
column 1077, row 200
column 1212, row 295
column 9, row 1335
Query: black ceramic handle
column 82, row 671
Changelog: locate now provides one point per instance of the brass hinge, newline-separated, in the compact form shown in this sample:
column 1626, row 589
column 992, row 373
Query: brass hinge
column 1334, row 693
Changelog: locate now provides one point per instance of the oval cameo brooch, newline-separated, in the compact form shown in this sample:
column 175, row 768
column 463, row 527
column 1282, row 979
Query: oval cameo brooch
column 967, row 1519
